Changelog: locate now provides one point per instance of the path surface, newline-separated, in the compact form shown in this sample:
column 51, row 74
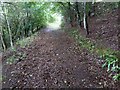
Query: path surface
column 54, row 60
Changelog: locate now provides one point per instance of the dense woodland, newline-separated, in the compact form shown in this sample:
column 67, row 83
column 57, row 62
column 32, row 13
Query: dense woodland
column 20, row 20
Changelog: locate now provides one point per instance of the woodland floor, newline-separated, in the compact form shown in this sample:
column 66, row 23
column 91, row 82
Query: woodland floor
column 104, row 30
column 54, row 60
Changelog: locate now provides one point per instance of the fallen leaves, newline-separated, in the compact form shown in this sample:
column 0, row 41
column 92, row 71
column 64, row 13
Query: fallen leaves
column 55, row 61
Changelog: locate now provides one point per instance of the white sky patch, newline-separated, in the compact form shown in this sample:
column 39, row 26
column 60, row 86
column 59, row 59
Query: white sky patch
column 57, row 23
column 99, row 0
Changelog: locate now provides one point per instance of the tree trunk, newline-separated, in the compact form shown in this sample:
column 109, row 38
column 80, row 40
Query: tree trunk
column 78, row 14
column 8, row 26
column 85, row 20
column 1, row 36
column 70, row 16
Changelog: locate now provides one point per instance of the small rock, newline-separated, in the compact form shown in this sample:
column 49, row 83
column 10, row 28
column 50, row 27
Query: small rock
column 18, row 81
column 9, row 79
column 31, row 75
column 100, row 83
column 65, row 81
column 24, row 83
column 90, row 85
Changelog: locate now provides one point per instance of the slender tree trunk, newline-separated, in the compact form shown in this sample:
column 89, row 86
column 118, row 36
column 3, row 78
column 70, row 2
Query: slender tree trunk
column 8, row 25
column 2, row 40
column 85, row 20
column 17, row 33
column 70, row 16
column 93, row 10
column 78, row 14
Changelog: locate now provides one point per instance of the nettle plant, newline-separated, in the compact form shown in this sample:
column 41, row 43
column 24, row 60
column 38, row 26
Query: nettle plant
column 112, row 64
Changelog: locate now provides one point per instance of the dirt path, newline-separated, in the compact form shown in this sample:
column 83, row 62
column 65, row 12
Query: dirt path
column 54, row 60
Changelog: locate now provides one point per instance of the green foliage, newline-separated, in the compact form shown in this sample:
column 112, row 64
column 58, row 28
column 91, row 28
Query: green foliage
column 12, row 49
column 116, row 77
column 25, row 18
column 111, row 61
column 26, row 41
column 51, row 19
column 2, row 78
column 11, row 59
column 82, row 41
column 17, row 57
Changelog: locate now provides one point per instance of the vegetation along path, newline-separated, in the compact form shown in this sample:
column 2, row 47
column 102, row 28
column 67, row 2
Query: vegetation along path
column 54, row 60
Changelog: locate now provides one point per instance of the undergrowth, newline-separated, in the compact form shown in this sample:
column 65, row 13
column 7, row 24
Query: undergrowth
column 16, row 58
column 26, row 41
column 111, row 60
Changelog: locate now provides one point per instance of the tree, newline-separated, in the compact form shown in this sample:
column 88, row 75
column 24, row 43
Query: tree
column 70, row 14
column 85, row 20
column 8, row 25
column 78, row 13
column 22, row 19
column 2, row 40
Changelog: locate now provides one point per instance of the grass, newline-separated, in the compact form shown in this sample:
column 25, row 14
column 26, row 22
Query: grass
column 111, row 60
